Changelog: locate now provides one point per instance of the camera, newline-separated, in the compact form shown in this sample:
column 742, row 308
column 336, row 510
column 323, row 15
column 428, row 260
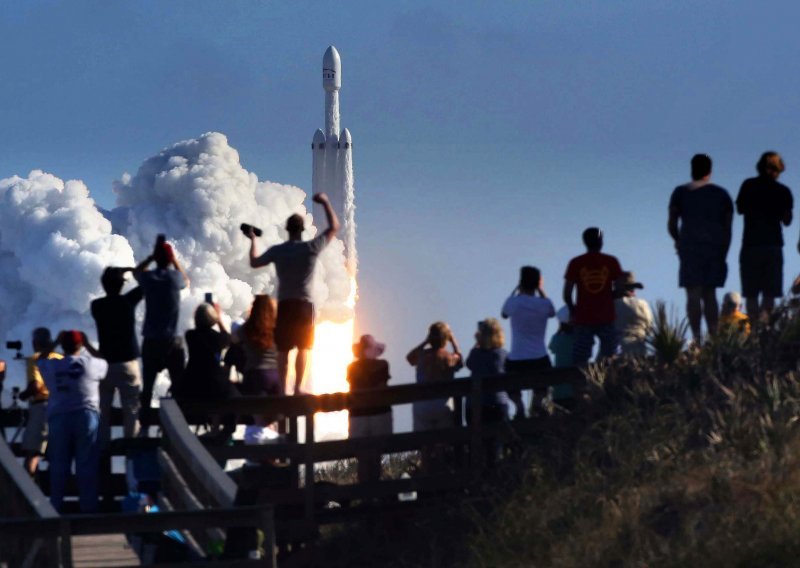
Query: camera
column 245, row 228
column 15, row 345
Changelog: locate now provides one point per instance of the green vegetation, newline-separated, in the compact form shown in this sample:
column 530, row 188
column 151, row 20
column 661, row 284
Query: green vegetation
column 688, row 457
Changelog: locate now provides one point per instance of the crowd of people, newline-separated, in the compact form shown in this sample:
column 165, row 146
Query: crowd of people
column 70, row 393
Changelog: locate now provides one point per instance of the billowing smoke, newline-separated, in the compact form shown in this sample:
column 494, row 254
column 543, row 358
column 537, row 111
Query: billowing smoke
column 55, row 241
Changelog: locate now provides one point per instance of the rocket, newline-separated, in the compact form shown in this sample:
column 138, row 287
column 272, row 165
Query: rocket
column 332, row 156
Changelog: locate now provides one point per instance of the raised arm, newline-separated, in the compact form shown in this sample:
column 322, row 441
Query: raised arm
column 180, row 269
column 414, row 354
column 142, row 266
column 333, row 220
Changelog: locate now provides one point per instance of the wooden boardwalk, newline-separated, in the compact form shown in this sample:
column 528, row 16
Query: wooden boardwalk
column 201, row 500
column 92, row 551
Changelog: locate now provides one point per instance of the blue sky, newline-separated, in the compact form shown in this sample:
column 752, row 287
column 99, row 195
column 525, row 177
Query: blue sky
column 485, row 136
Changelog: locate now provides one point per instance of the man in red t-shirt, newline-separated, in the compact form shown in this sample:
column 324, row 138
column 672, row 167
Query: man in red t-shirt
column 593, row 275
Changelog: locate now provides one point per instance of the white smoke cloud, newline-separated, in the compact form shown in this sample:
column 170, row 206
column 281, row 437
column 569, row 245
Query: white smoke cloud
column 55, row 241
column 54, row 244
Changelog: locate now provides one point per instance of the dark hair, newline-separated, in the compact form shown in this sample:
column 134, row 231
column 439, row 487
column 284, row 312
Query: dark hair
column 770, row 164
column 41, row 338
column 113, row 279
column 295, row 224
column 529, row 278
column 701, row 166
column 593, row 238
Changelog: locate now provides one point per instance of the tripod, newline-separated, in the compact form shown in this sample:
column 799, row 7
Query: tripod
column 15, row 407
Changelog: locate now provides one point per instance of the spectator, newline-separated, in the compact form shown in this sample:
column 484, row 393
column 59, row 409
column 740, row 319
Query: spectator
column 765, row 204
column 257, row 340
column 488, row 359
column 562, row 346
column 73, row 414
column 731, row 318
column 563, row 341
column 367, row 372
column 529, row 316
column 34, row 439
column 593, row 275
column 203, row 378
column 434, row 364
column 162, row 348
column 115, row 317
column 700, row 218
column 294, row 264
column 634, row 317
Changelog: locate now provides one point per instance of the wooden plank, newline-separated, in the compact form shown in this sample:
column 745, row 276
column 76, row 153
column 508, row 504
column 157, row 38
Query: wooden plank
column 192, row 453
column 300, row 405
column 18, row 482
column 102, row 550
column 178, row 492
column 120, row 523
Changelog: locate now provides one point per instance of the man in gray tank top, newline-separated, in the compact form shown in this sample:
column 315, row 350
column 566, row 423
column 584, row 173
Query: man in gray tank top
column 294, row 264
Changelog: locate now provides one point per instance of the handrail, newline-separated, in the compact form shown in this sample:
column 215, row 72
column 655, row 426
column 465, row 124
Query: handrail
column 22, row 497
column 301, row 405
column 191, row 453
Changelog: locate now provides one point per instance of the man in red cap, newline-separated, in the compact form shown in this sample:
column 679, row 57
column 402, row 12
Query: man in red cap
column 73, row 416
column 162, row 347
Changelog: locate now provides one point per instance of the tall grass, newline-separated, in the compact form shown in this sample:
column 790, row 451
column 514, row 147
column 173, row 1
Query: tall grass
column 689, row 457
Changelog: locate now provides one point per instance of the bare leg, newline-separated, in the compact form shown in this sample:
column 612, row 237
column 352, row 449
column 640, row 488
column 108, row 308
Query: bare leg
column 300, row 362
column 694, row 310
column 767, row 305
column 31, row 464
column 711, row 309
column 283, row 369
column 752, row 308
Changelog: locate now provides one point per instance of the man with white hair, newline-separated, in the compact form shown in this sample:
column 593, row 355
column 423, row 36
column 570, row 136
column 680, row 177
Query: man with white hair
column 634, row 317
column 732, row 317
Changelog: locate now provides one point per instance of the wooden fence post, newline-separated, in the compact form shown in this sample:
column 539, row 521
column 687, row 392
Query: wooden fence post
column 309, row 467
column 476, row 425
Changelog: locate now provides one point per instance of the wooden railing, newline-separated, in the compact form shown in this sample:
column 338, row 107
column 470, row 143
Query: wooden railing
column 65, row 527
column 470, row 440
column 22, row 498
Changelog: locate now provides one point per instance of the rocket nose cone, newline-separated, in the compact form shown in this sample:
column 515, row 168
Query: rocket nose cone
column 345, row 137
column 331, row 70
column 319, row 137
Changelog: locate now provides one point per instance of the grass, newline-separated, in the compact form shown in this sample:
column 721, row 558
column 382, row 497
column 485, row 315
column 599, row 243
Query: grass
column 684, row 458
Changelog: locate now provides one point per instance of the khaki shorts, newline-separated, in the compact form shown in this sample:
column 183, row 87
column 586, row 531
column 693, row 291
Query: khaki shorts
column 34, row 439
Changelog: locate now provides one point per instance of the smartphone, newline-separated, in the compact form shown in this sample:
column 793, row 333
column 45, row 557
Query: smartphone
column 209, row 298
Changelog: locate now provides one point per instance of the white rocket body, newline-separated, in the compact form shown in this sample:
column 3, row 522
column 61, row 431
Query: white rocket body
column 332, row 157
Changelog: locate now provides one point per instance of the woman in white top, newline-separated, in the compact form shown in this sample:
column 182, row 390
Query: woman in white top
column 529, row 314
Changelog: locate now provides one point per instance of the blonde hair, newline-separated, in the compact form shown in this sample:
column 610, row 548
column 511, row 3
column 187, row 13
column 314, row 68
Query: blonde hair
column 438, row 334
column 490, row 334
column 205, row 316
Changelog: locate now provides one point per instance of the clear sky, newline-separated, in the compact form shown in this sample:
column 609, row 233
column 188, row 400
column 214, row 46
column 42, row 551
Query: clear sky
column 486, row 136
